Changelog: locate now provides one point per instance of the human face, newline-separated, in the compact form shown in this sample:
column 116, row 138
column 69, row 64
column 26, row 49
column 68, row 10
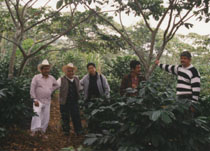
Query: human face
column 45, row 71
column 137, row 69
column 91, row 70
column 185, row 61
column 69, row 72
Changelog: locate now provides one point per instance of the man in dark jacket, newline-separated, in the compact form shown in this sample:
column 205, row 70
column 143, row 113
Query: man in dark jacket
column 131, row 81
column 69, row 95
column 94, row 85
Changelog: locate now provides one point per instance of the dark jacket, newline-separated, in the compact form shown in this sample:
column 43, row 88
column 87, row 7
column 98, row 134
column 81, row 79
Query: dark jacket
column 64, row 88
column 127, row 83
column 85, row 84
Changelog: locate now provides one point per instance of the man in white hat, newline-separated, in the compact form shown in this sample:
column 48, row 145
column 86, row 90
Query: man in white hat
column 69, row 95
column 42, row 87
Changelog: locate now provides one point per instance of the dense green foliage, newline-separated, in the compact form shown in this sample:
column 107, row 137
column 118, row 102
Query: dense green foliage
column 16, row 106
column 154, row 121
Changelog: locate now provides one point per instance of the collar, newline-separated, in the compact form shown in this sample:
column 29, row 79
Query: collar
column 69, row 79
column 133, row 74
column 96, row 75
column 44, row 76
column 190, row 66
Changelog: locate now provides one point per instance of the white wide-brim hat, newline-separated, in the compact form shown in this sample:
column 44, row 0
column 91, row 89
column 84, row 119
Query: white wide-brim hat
column 44, row 63
column 70, row 65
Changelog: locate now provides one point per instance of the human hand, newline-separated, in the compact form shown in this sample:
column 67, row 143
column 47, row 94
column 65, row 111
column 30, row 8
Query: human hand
column 134, row 86
column 157, row 62
column 36, row 103
column 192, row 109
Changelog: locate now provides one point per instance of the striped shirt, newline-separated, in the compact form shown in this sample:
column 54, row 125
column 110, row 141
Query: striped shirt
column 188, row 79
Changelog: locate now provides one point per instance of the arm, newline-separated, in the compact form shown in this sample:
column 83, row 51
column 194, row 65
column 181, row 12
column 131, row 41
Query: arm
column 33, row 91
column 106, row 87
column 142, row 78
column 33, row 88
column 195, row 83
column 59, row 82
column 80, row 86
column 123, row 86
column 82, row 83
column 169, row 68
column 55, row 85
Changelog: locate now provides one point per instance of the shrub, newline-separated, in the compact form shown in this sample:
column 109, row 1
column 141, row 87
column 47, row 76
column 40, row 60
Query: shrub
column 15, row 104
column 205, row 79
column 152, row 121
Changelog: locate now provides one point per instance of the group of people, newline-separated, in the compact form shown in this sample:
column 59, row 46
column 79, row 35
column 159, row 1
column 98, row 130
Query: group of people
column 95, row 85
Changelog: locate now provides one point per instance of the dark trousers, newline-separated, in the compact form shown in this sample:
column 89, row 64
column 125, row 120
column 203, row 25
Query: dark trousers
column 184, row 96
column 70, row 109
column 193, row 112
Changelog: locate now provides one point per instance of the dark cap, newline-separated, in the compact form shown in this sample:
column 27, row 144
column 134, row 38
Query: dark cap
column 186, row 54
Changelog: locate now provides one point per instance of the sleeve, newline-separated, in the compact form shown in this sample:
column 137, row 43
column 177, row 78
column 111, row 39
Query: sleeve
column 195, row 83
column 82, row 84
column 79, row 83
column 33, row 88
column 169, row 68
column 55, row 85
column 59, row 82
column 123, row 86
column 106, row 87
column 142, row 78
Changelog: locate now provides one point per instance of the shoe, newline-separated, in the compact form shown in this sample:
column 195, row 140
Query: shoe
column 66, row 133
column 79, row 133
column 45, row 136
column 33, row 133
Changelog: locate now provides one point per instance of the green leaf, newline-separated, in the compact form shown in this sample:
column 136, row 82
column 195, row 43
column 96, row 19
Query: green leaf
column 155, row 141
column 90, row 141
column 123, row 148
column 188, row 25
column 165, row 118
column 133, row 129
column 68, row 1
column 155, row 115
column 59, row 4
column 89, row 2
column 96, row 111
column 71, row 148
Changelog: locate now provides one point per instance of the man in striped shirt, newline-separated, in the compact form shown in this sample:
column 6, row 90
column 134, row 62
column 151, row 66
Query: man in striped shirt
column 188, row 83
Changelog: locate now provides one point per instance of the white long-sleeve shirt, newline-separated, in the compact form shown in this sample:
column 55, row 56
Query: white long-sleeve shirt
column 42, row 88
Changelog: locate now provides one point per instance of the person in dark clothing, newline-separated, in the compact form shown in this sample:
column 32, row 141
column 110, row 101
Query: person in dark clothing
column 69, row 95
column 93, row 91
column 132, row 80
column 95, row 85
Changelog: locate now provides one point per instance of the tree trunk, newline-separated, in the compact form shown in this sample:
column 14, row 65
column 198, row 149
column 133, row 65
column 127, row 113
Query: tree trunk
column 12, row 62
column 3, row 52
column 17, row 39
column 22, row 66
column 153, row 66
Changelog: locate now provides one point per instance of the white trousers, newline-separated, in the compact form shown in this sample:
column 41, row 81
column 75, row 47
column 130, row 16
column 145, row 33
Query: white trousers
column 40, row 122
